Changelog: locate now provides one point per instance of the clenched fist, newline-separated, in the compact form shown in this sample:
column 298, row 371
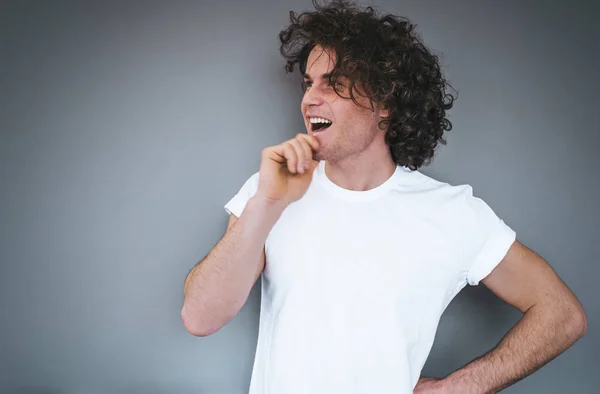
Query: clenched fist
column 286, row 169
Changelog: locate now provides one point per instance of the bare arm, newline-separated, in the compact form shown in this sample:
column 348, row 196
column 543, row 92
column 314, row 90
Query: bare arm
column 218, row 286
column 553, row 320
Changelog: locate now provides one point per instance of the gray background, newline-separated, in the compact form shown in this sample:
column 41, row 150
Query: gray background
column 126, row 126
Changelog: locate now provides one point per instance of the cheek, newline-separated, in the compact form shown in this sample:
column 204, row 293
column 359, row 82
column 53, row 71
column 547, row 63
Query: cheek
column 359, row 119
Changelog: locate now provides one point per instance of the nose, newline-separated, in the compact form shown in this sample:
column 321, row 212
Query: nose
column 313, row 96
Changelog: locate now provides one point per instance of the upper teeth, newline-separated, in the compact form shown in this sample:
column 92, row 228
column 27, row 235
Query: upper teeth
column 318, row 120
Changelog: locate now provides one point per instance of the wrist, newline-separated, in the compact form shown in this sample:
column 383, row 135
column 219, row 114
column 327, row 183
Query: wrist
column 267, row 206
column 461, row 383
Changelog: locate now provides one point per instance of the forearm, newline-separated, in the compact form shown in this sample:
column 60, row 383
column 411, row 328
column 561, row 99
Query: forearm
column 539, row 336
column 217, row 287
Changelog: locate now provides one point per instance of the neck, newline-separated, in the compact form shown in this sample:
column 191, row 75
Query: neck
column 364, row 170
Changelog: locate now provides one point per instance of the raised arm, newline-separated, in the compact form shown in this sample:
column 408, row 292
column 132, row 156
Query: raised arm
column 218, row 286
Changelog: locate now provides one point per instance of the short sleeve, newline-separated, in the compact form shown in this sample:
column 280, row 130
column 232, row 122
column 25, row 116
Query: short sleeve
column 237, row 204
column 485, row 238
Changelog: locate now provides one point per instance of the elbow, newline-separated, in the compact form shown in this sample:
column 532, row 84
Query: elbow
column 578, row 323
column 195, row 324
column 582, row 324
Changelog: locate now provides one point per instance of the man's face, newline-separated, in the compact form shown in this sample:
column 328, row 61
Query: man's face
column 353, row 128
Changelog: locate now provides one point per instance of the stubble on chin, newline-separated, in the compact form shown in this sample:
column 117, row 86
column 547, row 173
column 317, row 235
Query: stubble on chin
column 318, row 156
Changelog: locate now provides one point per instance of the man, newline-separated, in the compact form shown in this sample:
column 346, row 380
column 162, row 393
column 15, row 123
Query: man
column 359, row 252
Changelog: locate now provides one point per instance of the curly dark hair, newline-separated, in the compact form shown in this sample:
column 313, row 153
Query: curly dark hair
column 383, row 55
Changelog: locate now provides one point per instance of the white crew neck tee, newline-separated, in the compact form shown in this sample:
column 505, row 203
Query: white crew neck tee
column 355, row 282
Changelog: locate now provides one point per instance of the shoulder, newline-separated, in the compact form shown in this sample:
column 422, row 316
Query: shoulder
column 452, row 205
column 251, row 183
column 428, row 187
column 238, row 202
column 458, row 206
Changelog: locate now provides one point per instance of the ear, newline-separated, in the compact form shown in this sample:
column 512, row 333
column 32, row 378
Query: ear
column 383, row 111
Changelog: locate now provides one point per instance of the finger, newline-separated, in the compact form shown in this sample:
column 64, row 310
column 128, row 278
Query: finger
column 311, row 140
column 308, row 153
column 300, row 154
column 290, row 156
column 273, row 153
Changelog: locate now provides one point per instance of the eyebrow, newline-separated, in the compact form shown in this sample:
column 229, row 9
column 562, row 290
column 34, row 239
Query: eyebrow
column 324, row 76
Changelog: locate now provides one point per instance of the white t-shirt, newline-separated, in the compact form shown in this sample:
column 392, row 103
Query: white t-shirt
column 355, row 282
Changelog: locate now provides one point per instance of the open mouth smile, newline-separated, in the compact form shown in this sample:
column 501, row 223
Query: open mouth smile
column 319, row 124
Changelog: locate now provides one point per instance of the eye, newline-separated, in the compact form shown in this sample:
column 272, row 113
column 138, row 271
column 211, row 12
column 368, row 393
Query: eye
column 337, row 85
column 306, row 85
